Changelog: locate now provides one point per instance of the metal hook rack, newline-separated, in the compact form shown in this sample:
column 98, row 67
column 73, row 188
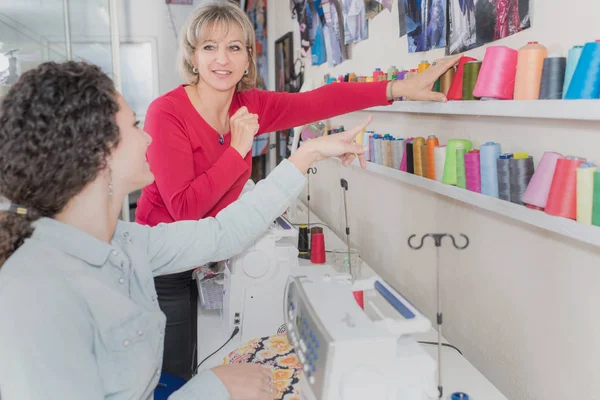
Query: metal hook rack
column 437, row 238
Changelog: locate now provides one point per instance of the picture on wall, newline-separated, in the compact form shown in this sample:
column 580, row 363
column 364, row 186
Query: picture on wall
column 337, row 51
column 474, row 23
column 386, row 4
column 317, row 25
column 257, row 12
column 301, row 13
column 284, row 58
column 402, row 18
column 425, row 24
column 355, row 21
column 372, row 8
column 284, row 82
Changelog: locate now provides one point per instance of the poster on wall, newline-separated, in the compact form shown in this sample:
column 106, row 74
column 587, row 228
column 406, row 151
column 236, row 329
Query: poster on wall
column 401, row 18
column 334, row 32
column 372, row 8
column 386, row 4
column 257, row 12
column 317, row 35
column 284, row 68
column 474, row 23
column 425, row 24
column 301, row 12
column 355, row 21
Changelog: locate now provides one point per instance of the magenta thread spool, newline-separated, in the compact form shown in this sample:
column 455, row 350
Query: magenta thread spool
column 473, row 171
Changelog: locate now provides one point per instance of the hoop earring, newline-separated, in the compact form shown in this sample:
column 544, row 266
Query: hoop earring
column 246, row 72
column 195, row 70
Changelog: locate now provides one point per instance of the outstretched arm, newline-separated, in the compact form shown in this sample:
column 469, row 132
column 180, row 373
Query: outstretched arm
column 280, row 111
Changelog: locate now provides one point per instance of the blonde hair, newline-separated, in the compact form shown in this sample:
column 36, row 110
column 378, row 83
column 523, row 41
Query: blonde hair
column 207, row 17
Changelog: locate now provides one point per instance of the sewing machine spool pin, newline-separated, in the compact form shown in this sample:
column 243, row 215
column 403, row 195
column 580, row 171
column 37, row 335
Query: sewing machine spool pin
column 311, row 170
column 344, row 184
column 437, row 237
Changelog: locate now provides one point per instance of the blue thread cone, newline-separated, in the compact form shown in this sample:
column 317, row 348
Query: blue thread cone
column 489, row 168
column 586, row 79
column 572, row 60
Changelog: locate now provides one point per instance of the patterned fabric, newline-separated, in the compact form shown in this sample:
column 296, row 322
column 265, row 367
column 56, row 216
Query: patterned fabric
column 275, row 352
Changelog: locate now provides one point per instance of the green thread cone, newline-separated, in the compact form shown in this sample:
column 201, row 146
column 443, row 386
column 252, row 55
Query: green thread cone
column 449, row 177
column 461, row 178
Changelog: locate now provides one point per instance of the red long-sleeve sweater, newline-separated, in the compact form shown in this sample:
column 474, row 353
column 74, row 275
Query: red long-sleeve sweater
column 195, row 175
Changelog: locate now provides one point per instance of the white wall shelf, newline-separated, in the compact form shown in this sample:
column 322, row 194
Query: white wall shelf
column 550, row 109
column 563, row 226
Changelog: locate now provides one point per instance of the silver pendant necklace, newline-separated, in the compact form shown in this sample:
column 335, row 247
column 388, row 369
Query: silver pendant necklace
column 221, row 139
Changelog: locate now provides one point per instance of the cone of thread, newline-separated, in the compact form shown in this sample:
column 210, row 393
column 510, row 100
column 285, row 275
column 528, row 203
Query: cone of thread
column 553, row 77
column 461, row 179
column 404, row 162
column 585, row 83
column 471, row 73
column 418, row 144
column 367, row 142
column 472, row 171
column 562, row 199
column 489, row 153
column 398, row 152
column 596, row 197
column 425, row 161
column 449, row 177
column 446, row 81
column 503, row 168
column 432, row 143
column 303, row 248
column 536, row 194
column 456, row 88
column 423, row 65
column 377, row 153
column 437, row 85
column 585, row 192
column 528, row 78
column 572, row 60
column 496, row 78
column 440, row 160
column 521, row 169
column 387, row 158
column 410, row 164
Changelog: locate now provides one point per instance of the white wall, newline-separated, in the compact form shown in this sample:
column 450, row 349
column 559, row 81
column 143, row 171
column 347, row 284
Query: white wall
column 521, row 303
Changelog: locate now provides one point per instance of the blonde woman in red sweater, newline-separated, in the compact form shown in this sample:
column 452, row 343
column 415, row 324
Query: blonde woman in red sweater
column 203, row 131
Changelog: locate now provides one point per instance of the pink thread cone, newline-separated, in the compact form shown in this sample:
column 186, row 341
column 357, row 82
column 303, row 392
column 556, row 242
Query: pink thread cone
column 536, row 194
column 496, row 78
column 403, row 166
column 472, row 171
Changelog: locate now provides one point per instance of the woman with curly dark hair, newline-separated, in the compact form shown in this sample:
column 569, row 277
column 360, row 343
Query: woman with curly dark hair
column 78, row 306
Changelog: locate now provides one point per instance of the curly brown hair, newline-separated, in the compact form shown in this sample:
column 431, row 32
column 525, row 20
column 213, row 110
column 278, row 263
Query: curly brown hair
column 57, row 128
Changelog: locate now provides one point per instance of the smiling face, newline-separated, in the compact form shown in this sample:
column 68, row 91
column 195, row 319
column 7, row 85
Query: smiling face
column 221, row 57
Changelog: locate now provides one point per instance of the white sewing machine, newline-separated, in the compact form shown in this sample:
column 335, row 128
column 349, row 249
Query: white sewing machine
column 255, row 281
column 351, row 354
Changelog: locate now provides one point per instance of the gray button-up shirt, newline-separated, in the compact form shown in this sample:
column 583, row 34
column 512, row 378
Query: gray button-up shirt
column 79, row 318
